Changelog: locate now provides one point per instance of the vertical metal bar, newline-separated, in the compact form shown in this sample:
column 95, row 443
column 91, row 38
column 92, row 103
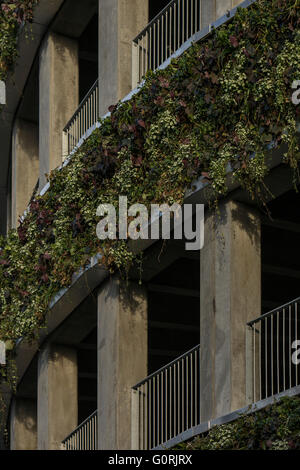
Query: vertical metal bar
column 170, row 405
column 178, row 398
column 141, row 395
column 192, row 18
column 266, row 357
column 150, row 413
column 154, row 412
column 195, row 391
column 290, row 346
column 182, row 394
column 278, row 360
column 178, row 23
column 143, row 57
column 187, row 392
column 166, row 34
column 166, row 405
column 192, row 387
column 158, row 409
column 283, row 349
column 260, row 359
column 146, row 415
column 296, row 337
column 272, row 353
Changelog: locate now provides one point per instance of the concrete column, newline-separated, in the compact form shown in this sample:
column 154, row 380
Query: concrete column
column 57, row 409
column 122, row 359
column 120, row 21
column 59, row 95
column 230, row 296
column 23, row 424
column 25, row 166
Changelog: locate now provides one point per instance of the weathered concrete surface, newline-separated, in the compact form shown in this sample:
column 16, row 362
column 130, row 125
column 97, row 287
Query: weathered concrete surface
column 122, row 359
column 57, row 410
column 59, row 95
column 23, row 424
column 25, row 166
column 119, row 23
column 230, row 296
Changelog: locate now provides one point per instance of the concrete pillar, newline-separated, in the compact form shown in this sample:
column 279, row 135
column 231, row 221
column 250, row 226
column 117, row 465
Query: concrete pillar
column 120, row 21
column 23, row 424
column 25, row 166
column 59, row 95
column 230, row 296
column 57, row 409
column 122, row 359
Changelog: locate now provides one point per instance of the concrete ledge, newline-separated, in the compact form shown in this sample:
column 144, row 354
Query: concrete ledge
column 205, row 427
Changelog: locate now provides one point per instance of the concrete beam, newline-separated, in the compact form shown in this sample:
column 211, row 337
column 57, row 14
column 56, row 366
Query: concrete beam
column 25, row 166
column 119, row 23
column 23, row 424
column 59, row 96
column 230, row 295
column 122, row 359
column 57, row 409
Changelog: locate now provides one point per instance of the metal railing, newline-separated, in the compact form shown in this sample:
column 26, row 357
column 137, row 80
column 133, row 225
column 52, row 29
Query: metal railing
column 176, row 24
column 167, row 402
column 84, row 437
column 166, row 33
column 272, row 361
column 86, row 115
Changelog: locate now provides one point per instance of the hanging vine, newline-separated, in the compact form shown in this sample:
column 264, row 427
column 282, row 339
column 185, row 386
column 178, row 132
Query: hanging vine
column 222, row 106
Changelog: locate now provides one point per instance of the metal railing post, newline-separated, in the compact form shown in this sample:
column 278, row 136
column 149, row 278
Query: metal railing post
column 249, row 365
column 65, row 145
column 135, row 420
column 135, row 65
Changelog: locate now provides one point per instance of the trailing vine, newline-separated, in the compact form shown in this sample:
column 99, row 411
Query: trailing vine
column 223, row 105
column 13, row 15
column 276, row 427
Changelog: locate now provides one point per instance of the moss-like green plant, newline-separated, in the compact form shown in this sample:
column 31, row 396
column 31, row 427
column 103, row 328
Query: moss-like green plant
column 276, row 427
column 222, row 106
column 13, row 15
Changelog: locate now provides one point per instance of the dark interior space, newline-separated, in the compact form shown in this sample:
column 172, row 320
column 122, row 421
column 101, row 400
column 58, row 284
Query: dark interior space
column 280, row 286
column 88, row 57
column 155, row 7
column 173, row 312
column 280, row 253
column 87, row 376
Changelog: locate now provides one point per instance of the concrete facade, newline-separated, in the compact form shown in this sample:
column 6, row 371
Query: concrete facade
column 25, row 166
column 119, row 23
column 122, row 359
column 57, row 410
column 23, row 424
column 230, row 296
column 59, row 96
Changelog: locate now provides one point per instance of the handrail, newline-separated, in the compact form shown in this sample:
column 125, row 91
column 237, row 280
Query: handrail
column 84, row 437
column 81, row 104
column 174, row 2
column 272, row 364
column 167, row 402
column 275, row 310
column 135, row 387
column 84, row 118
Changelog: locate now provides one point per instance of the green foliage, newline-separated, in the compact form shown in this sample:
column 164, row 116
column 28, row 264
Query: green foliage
column 222, row 105
column 276, row 427
column 13, row 15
